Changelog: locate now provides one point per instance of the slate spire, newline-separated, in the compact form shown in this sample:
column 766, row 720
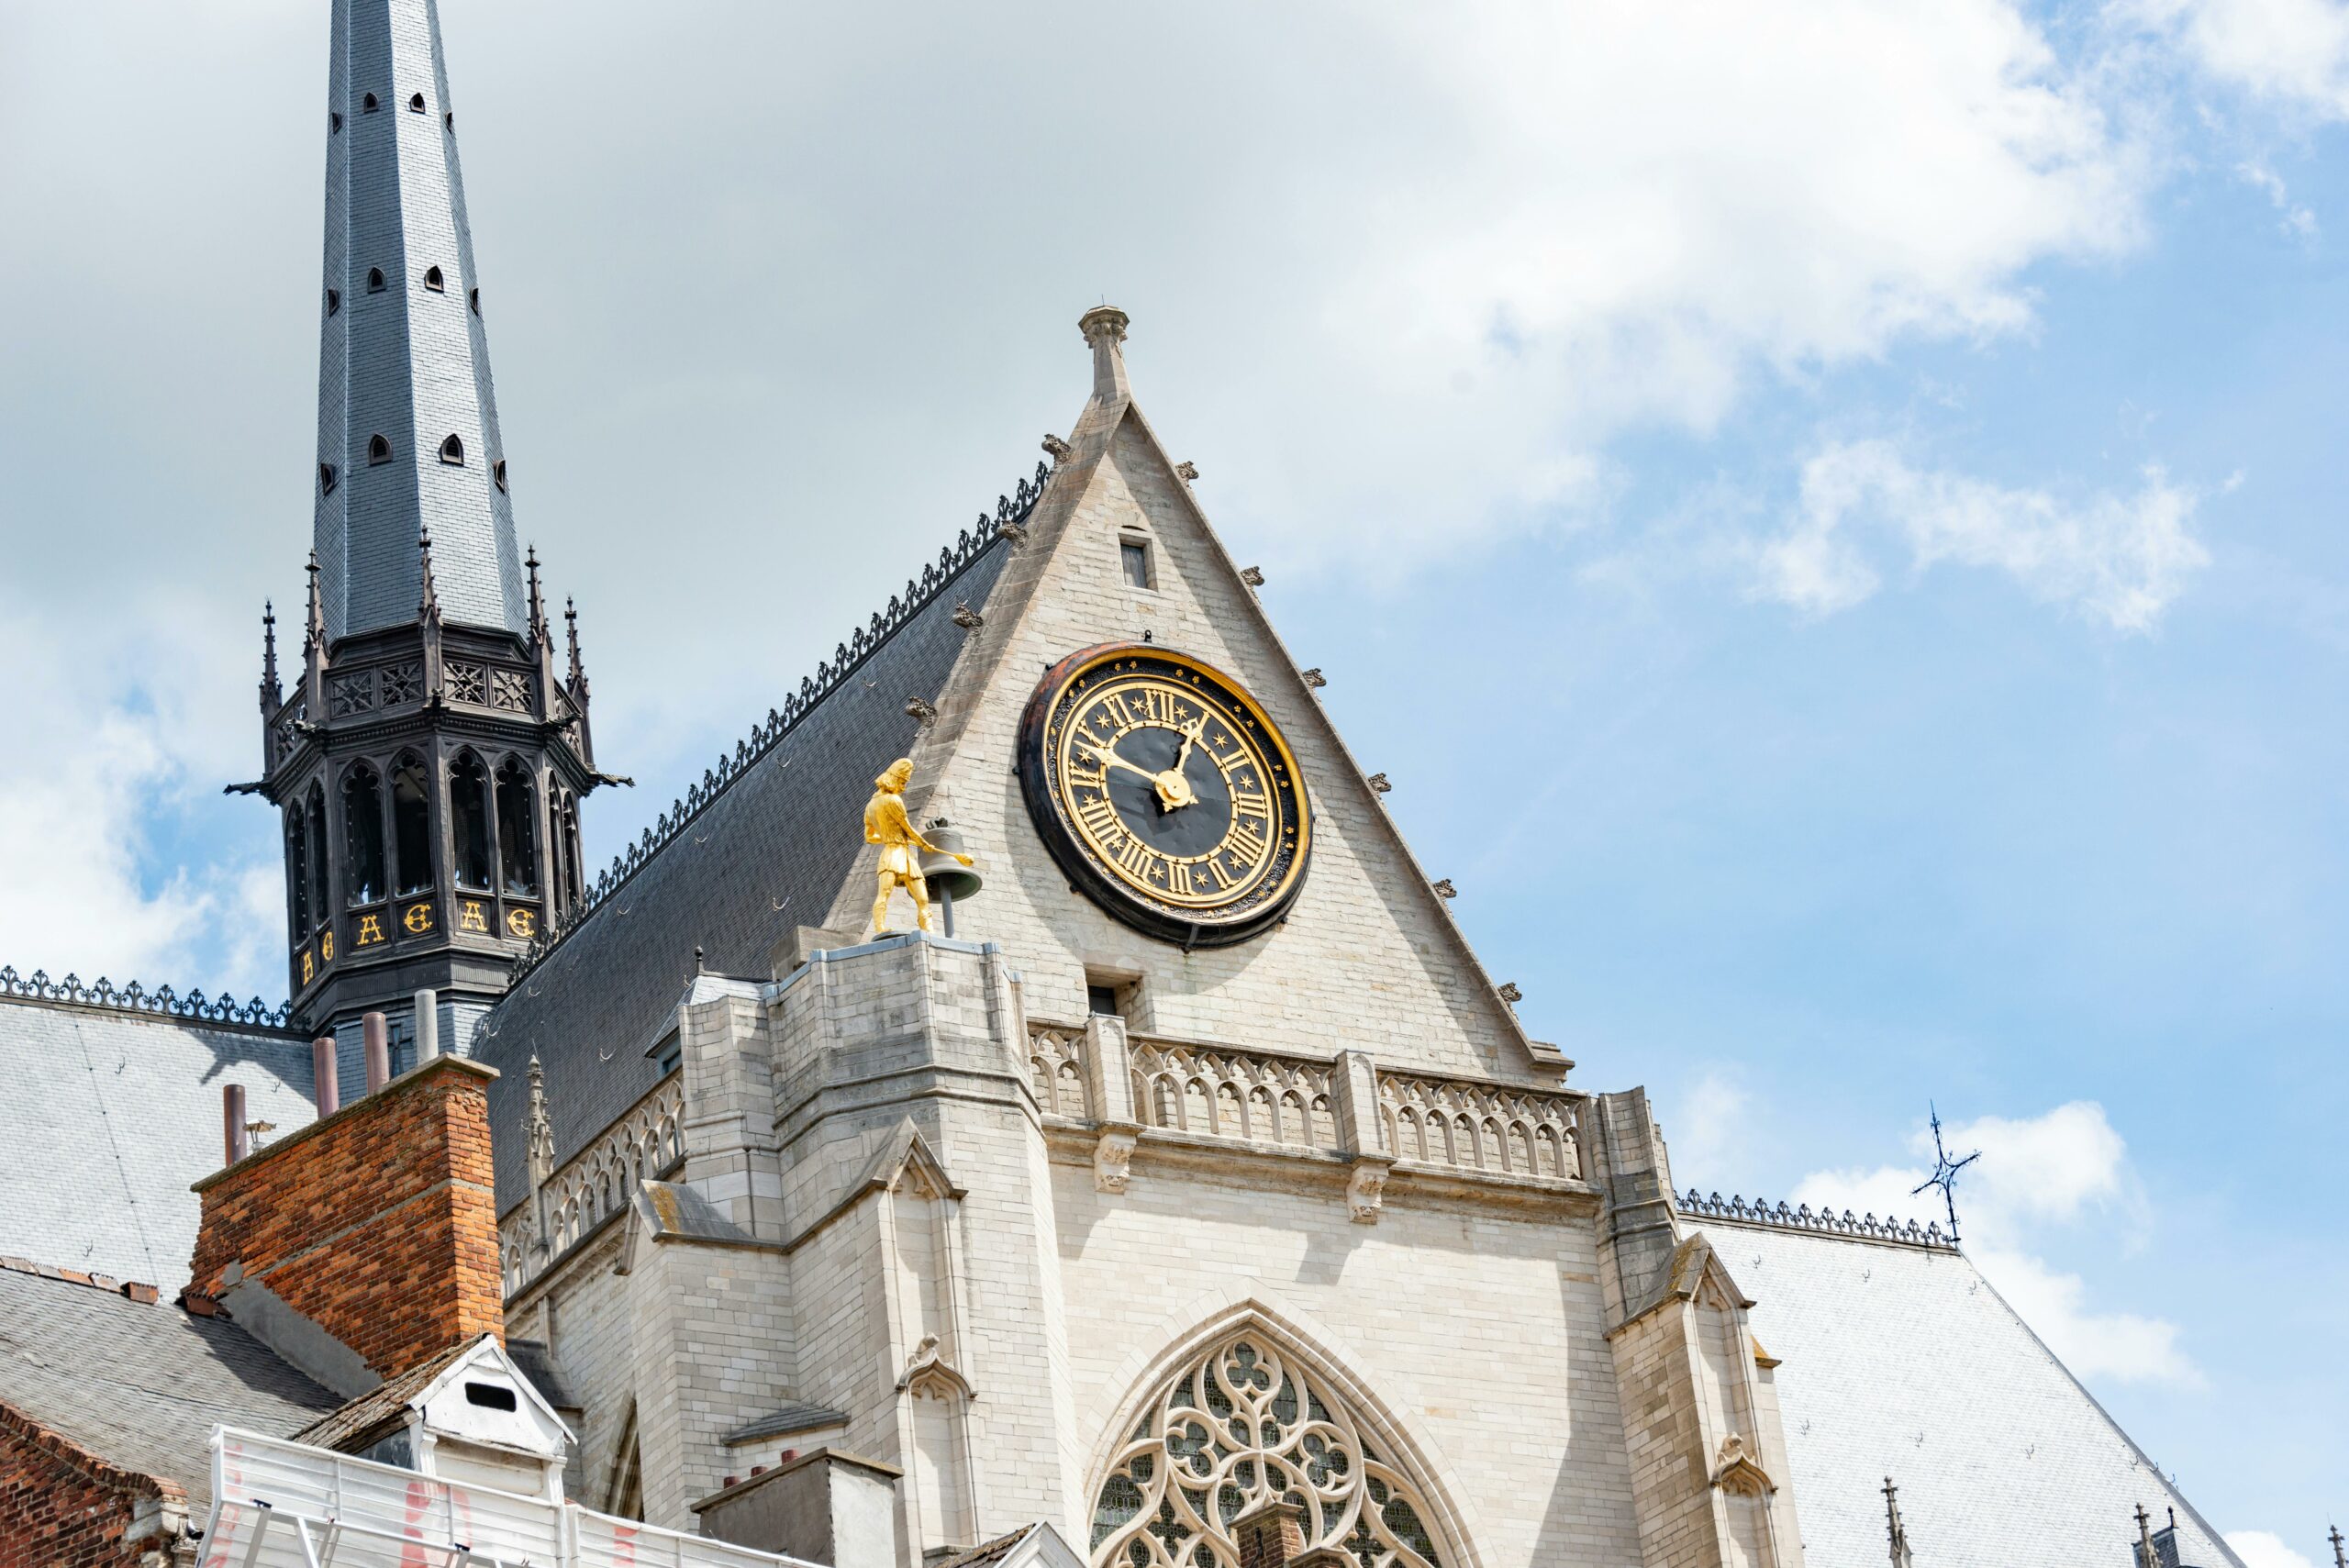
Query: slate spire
column 407, row 423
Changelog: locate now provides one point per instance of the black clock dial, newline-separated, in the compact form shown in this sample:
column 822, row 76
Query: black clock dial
column 1166, row 793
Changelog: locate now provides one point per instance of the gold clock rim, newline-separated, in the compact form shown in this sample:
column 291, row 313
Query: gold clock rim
column 1262, row 894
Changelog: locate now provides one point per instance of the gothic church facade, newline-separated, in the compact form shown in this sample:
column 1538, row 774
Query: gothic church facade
column 1200, row 1194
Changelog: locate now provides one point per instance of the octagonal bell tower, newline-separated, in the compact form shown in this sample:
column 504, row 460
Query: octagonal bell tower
column 429, row 758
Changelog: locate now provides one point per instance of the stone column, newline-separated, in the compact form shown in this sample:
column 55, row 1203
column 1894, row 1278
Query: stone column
column 1109, row 1095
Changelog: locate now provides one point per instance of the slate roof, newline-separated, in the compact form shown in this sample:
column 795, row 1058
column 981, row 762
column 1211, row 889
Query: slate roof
column 385, row 1402
column 1902, row 1361
column 783, row 830
column 125, row 1108
column 142, row 1385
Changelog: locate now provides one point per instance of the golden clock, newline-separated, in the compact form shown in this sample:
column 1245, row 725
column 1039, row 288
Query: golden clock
column 1166, row 793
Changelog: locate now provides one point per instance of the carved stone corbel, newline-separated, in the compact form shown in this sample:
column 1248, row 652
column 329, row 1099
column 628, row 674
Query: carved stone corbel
column 1111, row 1157
column 1366, row 1188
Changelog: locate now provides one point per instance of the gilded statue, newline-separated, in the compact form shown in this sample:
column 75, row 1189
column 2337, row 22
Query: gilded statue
column 886, row 824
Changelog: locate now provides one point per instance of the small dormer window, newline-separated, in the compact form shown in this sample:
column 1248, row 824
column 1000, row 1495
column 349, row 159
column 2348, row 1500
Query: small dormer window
column 334, row 301
column 452, row 451
column 334, row 120
column 497, row 473
column 1133, row 559
column 368, row 105
column 489, row 1396
column 379, row 449
column 416, row 104
column 432, row 281
column 449, row 120
column 326, row 479
column 473, row 299
column 374, row 280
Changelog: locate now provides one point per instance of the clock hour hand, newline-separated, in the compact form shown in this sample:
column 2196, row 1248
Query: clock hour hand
column 1109, row 759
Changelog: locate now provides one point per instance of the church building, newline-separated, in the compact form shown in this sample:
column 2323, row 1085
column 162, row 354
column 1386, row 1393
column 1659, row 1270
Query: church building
column 1027, row 1101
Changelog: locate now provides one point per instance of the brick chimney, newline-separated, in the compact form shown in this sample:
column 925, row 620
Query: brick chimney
column 366, row 1242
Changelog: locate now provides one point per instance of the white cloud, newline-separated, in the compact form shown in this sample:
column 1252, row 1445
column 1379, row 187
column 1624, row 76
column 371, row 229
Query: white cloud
column 2121, row 560
column 2036, row 1174
column 1711, row 1128
column 2292, row 52
column 2259, row 1548
column 98, row 752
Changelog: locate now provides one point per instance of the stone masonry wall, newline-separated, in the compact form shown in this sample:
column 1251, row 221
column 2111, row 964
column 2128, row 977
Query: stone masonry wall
column 377, row 1223
column 62, row 1507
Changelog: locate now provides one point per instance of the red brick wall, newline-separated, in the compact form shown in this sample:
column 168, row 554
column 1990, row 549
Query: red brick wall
column 62, row 1507
column 379, row 1223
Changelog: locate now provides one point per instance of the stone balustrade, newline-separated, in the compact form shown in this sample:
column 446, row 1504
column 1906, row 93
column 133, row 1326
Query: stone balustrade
column 1346, row 1107
column 595, row 1184
column 1480, row 1127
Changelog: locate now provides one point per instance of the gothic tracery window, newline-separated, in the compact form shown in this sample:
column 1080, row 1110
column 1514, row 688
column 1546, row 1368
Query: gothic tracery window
column 411, row 824
column 1241, row 1426
column 518, row 829
column 469, row 819
column 363, row 836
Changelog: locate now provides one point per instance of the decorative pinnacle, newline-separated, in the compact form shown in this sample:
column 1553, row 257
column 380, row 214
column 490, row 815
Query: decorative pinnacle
column 2338, row 1560
column 316, row 635
column 541, row 1129
column 537, row 606
column 269, row 647
column 1945, row 1172
column 1104, row 327
column 430, row 607
column 1897, row 1531
column 578, row 674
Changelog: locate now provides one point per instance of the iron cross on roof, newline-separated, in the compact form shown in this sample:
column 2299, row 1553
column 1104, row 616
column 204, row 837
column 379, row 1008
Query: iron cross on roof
column 1945, row 1172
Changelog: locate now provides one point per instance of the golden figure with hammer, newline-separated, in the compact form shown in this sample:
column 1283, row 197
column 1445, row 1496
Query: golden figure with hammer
column 886, row 824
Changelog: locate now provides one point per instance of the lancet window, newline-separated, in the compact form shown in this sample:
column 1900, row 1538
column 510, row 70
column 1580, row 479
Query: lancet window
column 1241, row 1426
column 363, row 836
column 411, row 825
column 315, row 850
column 518, row 824
column 469, row 819
column 297, row 872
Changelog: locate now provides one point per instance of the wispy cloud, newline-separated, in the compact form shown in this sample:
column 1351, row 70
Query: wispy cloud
column 2260, row 1549
column 2292, row 53
column 2291, row 217
column 2118, row 560
column 2038, row 1177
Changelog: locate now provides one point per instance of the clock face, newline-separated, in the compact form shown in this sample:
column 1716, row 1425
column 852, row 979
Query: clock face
column 1166, row 794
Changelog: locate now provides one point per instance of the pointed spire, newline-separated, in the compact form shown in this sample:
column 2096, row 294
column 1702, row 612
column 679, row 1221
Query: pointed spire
column 2145, row 1556
column 1104, row 327
column 537, row 606
column 405, row 372
column 314, row 635
column 2338, row 1560
column 1894, row 1527
column 269, row 686
column 430, row 608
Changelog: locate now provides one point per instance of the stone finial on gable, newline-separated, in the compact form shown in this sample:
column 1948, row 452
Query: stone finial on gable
column 1105, row 328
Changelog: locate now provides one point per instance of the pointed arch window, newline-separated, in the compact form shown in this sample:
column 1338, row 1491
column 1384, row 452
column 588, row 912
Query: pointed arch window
column 518, row 830
column 334, row 301
column 334, row 121
column 374, row 280
column 368, row 104
column 574, row 888
column 298, row 873
column 497, row 473
column 449, row 119
column 326, row 479
column 432, row 281
column 415, row 103
column 363, row 836
column 1239, row 1427
column 314, row 816
column 379, row 449
column 411, row 825
column 469, row 819
column 452, row 452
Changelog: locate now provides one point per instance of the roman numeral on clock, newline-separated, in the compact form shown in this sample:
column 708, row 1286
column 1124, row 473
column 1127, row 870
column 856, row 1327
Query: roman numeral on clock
column 1101, row 817
column 1247, row 839
column 1247, row 803
column 1135, row 857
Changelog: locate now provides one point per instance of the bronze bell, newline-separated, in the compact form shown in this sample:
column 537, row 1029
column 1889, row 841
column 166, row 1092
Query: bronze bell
column 949, row 882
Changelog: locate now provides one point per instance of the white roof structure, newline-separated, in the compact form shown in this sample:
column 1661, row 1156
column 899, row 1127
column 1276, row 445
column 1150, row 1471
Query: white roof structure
column 285, row 1505
column 1899, row 1360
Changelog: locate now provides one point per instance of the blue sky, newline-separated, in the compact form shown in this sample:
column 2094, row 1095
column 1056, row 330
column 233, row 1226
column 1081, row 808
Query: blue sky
column 1828, row 516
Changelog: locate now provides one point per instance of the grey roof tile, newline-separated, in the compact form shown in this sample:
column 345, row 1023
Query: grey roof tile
column 124, row 1108
column 142, row 1385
